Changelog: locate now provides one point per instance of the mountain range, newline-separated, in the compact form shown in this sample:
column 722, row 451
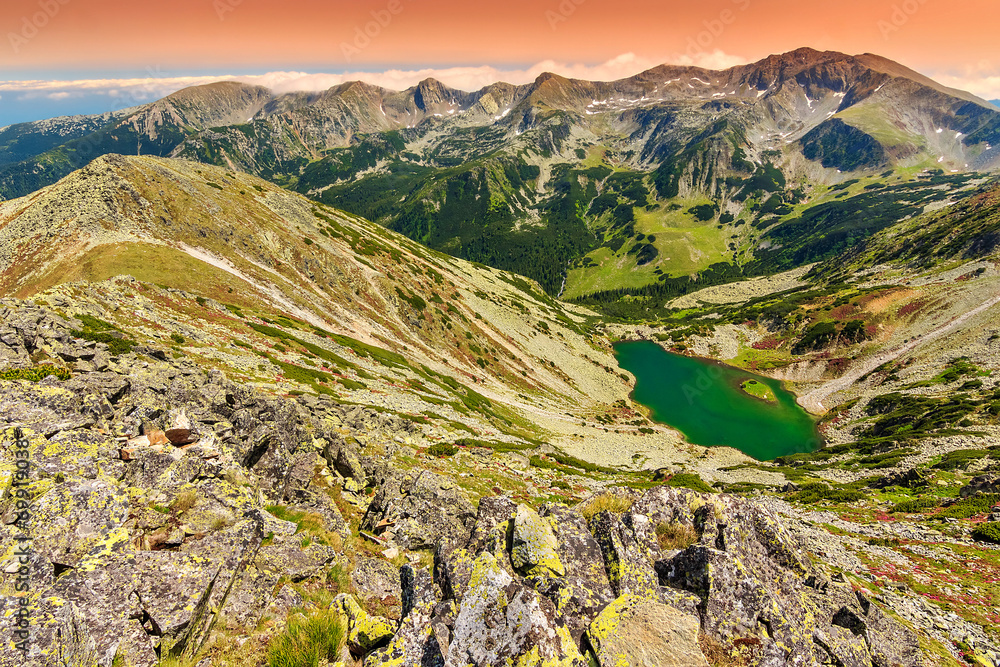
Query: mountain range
column 262, row 426
column 588, row 187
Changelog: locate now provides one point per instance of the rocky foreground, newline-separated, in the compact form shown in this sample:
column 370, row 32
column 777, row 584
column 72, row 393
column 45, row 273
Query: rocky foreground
column 151, row 507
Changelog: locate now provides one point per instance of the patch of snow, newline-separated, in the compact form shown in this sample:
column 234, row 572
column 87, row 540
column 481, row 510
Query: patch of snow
column 704, row 83
column 761, row 93
column 939, row 130
column 879, row 88
column 941, row 159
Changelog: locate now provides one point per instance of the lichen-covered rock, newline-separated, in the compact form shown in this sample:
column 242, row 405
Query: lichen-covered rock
column 416, row 643
column 637, row 631
column 534, row 545
column 73, row 518
column 889, row 641
column 364, row 631
column 503, row 622
column 838, row 635
column 422, row 508
column 491, row 531
column 343, row 457
column 629, row 547
column 417, row 588
column 985, row 483
column 378, row 579
column 452, row 570
column 577, row 549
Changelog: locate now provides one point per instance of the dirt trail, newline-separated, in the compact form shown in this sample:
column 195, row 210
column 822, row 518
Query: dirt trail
column 813, row 401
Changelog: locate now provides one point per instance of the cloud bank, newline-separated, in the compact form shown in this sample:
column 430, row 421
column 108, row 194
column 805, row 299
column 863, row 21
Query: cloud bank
column 982, row 79
column 134, row 91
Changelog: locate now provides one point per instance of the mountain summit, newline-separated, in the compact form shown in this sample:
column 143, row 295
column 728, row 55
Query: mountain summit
column 587, row 187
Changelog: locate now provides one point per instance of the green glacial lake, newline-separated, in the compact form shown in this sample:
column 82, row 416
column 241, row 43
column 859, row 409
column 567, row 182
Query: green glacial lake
column 713, row 404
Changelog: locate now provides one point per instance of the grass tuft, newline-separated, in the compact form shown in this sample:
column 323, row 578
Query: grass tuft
column 308, row 641
column 606, row 502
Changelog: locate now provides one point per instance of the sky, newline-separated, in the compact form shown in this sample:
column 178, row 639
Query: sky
column 60, row 57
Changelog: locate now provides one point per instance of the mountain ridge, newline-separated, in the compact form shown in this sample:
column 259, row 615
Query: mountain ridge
column 565, row 180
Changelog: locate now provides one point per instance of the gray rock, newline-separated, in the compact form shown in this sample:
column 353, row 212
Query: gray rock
column 501, row 621
column 636, row 631
column 423, row 508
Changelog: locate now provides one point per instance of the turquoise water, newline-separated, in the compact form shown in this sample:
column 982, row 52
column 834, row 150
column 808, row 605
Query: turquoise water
column 703, row 400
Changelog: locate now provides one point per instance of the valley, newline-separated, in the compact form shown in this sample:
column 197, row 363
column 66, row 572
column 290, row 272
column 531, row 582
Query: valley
column 482, row 378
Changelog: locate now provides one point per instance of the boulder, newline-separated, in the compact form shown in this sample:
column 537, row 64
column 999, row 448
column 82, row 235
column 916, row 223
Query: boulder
column 636, row 631
column 987, row 483
column 378, row 579
column 503, row 622
column 364, row 631
column 629, row 547
column 422, row 508
column 534, row 545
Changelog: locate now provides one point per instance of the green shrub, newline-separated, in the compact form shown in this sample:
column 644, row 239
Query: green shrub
column 92, row 323
column 350, row 384
column 539, row 462
column 574, row 462
column 442, row 449
column 115, row 345
column 35, row 374
column 498, row 447
column 814, row 493
column 414, row 300
column 691, row 481
column 960, row 458
column 308, row 641
column 971, row 506
column 99, row 331
column 914, row 506
column 987, row 532
column 177, row 338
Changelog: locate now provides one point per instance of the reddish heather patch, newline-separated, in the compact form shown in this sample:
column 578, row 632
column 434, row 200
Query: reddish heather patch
column 912, row 308
column 769, row 344
column 843, row 312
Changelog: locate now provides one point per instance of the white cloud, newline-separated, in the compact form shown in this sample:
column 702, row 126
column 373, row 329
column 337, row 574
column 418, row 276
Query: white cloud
column 463, row 78
column 716, row 60
column 985, row 86
column 134, row 91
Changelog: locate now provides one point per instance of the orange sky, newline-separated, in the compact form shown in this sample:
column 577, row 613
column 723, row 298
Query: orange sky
column 107, row 34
